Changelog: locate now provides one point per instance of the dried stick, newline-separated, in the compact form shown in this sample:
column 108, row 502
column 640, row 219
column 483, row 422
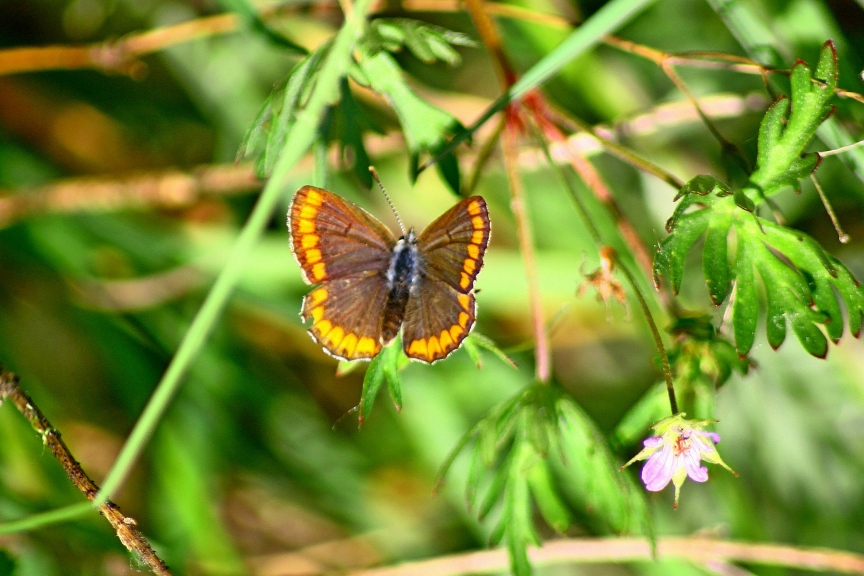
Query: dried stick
column 592, row 550
column 124, row 526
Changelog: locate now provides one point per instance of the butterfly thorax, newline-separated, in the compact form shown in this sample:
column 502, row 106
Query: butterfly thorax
column 401, row 276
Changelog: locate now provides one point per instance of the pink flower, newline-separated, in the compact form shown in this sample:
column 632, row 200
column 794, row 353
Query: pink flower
column 676, row 452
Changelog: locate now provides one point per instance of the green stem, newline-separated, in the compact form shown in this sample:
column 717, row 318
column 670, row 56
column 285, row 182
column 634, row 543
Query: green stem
column 299, row 140
column 655, row 332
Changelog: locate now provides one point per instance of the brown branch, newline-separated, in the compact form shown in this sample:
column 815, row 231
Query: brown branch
column 169, row 189
column 176, row 188
column 592, row 550
column 124, row 526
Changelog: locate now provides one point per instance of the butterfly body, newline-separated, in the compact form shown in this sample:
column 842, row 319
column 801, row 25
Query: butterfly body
column 369, row 285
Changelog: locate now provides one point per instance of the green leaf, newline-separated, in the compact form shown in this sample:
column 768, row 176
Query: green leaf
column 745, row 307
column 477, row 340
column 427, row 42
column 372, row 381
column 268, row 134
column 531, row 448
column 552, row 507
column 426, row 127
column 669, row 261
column 650, row 408
column 348, row 115
column 781, row 161
column 715, row 258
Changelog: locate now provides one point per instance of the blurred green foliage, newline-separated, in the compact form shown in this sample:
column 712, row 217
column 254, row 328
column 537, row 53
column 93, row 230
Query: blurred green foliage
column 258, row 467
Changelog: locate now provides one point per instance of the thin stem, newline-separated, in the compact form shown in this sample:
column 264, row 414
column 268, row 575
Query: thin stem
column 655, row 332
column 841, row 235
column 302, row 136
column 509, row 141
column 124, row 526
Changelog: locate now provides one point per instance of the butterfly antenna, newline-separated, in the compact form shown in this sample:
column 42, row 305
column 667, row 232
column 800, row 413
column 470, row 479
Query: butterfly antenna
column 390, row 202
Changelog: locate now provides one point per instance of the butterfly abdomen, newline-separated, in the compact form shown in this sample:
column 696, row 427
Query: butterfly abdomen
column 401, row 275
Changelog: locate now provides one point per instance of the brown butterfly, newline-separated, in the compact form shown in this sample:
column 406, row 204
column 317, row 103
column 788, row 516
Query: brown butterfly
column 369, row 284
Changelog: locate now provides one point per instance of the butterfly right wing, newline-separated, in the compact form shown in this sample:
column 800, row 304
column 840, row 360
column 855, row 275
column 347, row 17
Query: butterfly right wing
column 344, row 249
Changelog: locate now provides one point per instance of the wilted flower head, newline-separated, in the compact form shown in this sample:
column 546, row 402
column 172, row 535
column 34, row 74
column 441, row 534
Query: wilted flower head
column 676, row 452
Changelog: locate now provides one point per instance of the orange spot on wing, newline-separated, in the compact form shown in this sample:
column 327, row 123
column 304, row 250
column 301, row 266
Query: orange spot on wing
column 464, row 301
column 305, row 226
column 456, row 332
column 433, row 349
column 308, row 240
column 469, row 265
column 473, row 250
column 317, row 314
column 366, row 347
column 348, row 346
column 477, row 237
column 317, row 296
column 322, row 327
column 309, row 212
column 417, row 348
column 319, row 272
column 465, row 282
column 474, row 208
column 334, row 337
column 446, row 340
column 478, row 223
column 463, row 319
column 313, row 255
column 315, row 197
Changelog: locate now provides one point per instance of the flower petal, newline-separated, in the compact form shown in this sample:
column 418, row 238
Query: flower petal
column 658, row 471
column 691, row 462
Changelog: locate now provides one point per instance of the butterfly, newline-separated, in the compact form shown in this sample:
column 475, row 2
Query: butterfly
column 368, row 284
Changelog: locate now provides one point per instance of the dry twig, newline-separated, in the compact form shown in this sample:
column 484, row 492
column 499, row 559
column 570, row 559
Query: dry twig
column 125, row 527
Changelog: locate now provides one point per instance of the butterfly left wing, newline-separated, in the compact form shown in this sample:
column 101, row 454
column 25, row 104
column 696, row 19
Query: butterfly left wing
column 345, row 250
column 441, row 310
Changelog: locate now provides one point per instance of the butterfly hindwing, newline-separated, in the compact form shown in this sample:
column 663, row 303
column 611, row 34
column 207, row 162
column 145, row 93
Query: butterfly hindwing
column 346, row 315
column 437, row 319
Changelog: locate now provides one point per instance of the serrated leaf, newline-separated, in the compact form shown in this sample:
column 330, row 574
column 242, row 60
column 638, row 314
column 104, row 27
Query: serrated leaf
column 771, row 129
column 426, row 42
column 267, row 136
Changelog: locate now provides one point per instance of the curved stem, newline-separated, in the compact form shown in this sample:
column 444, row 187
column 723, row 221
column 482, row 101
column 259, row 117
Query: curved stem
column 655, row 332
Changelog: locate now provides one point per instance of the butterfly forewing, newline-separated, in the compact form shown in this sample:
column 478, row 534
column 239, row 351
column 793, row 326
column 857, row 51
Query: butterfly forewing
column 341, row 247
column 440, row 313
column 332, row 238
column 453, row 246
